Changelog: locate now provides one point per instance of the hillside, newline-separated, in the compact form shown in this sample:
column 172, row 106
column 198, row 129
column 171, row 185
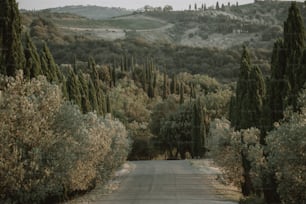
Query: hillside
column 214, row 37
column 92, row 12
column 257, row 24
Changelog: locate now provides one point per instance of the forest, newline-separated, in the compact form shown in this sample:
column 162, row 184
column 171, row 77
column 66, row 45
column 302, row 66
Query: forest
column 66, row 127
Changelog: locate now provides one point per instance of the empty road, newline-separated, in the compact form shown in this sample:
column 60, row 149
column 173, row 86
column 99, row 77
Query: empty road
column 163, row 182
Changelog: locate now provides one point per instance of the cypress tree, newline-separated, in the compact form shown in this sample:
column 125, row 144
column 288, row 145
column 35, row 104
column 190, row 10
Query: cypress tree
column 165, row 87
column 92, row 95
column 279, row 86
column 256, row 94
column 84, row 91
column 151, row 90
column 198, row 131
column 301, row 74
column 11, row 53
column 246, row 109
column 154, row 83
column 73, row 89
column 242, row 92
column 101, row 105
column 49, row 67
column 294, row 36
column 33, row 65
column 173, row 85
column 182, row 94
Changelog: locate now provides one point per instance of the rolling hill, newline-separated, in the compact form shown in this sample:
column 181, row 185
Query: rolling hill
column 92, row 12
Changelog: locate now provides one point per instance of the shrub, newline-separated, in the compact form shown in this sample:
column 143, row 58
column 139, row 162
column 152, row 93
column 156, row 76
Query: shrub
column 48, row 148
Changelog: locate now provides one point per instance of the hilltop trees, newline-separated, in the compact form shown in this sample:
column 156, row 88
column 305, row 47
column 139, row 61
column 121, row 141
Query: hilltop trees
column 11, row 53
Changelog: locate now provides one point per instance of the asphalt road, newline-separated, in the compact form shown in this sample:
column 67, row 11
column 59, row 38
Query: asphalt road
column 164, row 182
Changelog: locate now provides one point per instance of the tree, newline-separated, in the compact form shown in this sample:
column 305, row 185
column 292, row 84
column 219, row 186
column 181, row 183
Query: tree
column 92, row 94
column 181, row 93
column 241, row 116
column 49, row 67
column 165, row 86
column 286, row 147
column 256, row 94
column 11, row 53
column 73, row 89
column 32, row 66
column 294, row 37
column 84, row 91
column 198, row 131
column 173, row 85
column 246, row 110
column 279, row 86
column 168, row 8
column 217, row 6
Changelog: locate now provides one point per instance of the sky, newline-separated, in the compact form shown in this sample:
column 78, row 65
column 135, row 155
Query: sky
column 128, row 4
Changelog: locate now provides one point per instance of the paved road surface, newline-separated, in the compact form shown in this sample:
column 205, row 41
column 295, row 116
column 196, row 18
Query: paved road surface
column 163, row 182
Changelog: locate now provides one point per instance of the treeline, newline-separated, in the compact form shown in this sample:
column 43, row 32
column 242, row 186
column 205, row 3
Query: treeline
column 220, row 64
column 268, row 120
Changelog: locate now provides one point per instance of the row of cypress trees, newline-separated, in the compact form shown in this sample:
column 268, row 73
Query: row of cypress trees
column 260, row 103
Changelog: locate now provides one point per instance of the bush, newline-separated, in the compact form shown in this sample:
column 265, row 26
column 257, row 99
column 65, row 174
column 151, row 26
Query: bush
column 48, row 148
column 287, row 158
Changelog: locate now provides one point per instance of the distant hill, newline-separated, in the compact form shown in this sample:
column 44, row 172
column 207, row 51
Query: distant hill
column 92, row 12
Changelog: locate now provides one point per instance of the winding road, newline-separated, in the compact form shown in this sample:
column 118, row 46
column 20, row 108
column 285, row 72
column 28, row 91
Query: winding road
column 164, row 182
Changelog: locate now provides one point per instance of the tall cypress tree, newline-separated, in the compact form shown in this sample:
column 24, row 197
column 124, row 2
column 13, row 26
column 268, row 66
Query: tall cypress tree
column 256, row 94
column 246, row 109
column 198, row 131
column 181, row 93
column 279, row 86
column 11, row 53
column 33, row 65
column 101, row 101
column 73, row 89
column 241, row 116
column 174, row 84
column 294, row 37
column 49, row 67
column 84, row 91
column 165, row 87
column 92, row 94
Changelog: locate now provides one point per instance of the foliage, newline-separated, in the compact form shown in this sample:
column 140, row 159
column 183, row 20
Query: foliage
column 286, row 147
column 11, row 53
column 49, row 149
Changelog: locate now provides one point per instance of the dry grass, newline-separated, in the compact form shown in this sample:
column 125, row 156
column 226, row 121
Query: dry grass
column 222, row 189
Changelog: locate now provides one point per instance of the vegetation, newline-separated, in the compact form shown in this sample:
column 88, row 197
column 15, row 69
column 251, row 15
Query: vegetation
column 264, row 155
column 109, row 97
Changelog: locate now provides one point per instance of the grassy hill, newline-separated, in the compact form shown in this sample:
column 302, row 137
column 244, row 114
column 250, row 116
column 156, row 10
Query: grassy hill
column 92, row 12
